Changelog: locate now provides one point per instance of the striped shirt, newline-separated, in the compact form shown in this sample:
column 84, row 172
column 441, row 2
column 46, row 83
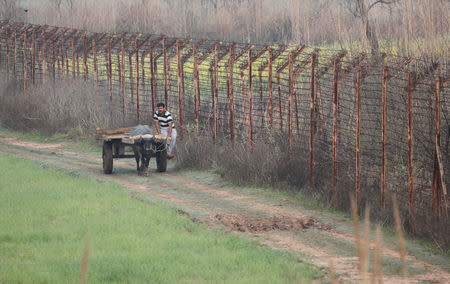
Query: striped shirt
column 163, row 119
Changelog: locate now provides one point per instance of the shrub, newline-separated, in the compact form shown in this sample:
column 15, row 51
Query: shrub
column 270, row 162
column 55, row 107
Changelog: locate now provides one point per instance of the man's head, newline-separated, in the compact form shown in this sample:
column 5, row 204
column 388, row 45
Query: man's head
column 161, row 107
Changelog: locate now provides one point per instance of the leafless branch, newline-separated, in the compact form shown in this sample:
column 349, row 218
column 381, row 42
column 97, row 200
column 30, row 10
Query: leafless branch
column 385, row 2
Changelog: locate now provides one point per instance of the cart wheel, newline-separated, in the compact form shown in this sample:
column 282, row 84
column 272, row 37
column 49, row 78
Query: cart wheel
column 161, row 161
column 107, row 158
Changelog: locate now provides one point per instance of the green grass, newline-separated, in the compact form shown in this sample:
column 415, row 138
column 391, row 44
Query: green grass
column 46, row 216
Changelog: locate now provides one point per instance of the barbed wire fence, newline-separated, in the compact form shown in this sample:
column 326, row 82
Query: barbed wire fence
column 374, row 125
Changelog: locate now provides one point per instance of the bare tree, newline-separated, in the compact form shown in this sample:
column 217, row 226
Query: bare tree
column 404, row 25
column 58, row 4
column 360, row 9
column 8, row 9
column 70, row 3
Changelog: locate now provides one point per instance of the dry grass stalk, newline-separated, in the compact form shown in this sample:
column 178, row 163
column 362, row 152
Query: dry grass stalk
column 365, row 244
column 377, row 274
column 85, row 260
column 362, row 244
column 356, row 225
column 401, row 239
column 333, row 279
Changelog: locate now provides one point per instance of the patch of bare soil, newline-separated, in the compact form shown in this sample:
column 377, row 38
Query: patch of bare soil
column 274, row 223
column 27, row 144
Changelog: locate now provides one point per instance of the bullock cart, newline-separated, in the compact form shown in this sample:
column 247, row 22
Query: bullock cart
column 118, row 142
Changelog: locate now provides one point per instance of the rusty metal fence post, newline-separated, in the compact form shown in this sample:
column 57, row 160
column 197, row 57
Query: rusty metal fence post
column 33, row 57
column 358, row 133
column 261, row 98
column 312, row 108
column 73, row 56
column 78, row 63
column 383, row 135
column 410, row 149
column 66, row 61
column 290, row 101
column 6, row 36
column 24, row 60
column 250, row 98
column 94, row 54
column 15, row 56
column 279, row 101
column 231, row 96
column 85, row 66
column 109, row 69
column 211, row 77
column 122, row 61
column 335, row 126
column 244, row 94
column 196, row 88
column 295, row 94
column 435, row 200
column 7, row 54
column 44, row 59
column 270, row 91
column 130, row 68
column 63, row 59
column 166, row 96
column 143, row 72
column 152, row 76
column 214, row 92
column 58, row 59
column 441, row 188
column 137, row 81
column 180, row 98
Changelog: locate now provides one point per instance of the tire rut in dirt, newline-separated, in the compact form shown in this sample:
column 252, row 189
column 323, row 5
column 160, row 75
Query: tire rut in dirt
column 274, row 223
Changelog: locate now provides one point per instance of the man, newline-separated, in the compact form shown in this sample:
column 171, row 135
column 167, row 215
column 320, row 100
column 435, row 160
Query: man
column 164, row 125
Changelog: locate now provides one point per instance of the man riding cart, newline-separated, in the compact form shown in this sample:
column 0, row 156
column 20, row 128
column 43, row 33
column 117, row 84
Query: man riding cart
column 164, row 125
column 145, row 142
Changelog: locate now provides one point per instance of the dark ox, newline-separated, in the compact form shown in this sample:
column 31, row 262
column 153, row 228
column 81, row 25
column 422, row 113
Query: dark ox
column 143, row 150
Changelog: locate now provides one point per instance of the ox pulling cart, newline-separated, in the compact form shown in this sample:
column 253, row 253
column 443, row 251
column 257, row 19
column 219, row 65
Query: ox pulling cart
column 116, row 142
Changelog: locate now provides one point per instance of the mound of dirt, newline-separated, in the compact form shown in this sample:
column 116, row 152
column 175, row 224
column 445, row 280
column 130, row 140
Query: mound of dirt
column 275, row 223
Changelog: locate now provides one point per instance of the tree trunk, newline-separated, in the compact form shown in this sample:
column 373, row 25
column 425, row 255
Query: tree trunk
column 371, row 36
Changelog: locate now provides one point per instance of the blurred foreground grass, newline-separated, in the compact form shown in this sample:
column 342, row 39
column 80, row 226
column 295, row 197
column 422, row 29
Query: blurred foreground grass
column 46, row 216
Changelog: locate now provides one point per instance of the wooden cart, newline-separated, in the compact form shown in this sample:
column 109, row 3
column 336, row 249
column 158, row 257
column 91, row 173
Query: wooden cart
column 116, row 142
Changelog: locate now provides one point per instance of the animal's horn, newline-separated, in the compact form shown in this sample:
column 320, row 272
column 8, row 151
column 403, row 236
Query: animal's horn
column 136, row 137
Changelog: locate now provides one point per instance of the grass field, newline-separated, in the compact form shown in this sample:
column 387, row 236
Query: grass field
column 46, row 216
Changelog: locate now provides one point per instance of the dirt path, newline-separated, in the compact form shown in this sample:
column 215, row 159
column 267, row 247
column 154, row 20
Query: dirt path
column 321, row 238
